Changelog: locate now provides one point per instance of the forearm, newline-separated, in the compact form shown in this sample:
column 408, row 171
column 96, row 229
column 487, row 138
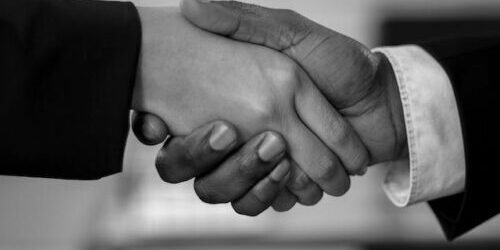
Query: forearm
column 68, row 69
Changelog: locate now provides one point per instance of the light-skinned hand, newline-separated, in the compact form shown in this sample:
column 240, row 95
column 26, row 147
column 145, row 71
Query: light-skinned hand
column 359, row 83
column 189, row 77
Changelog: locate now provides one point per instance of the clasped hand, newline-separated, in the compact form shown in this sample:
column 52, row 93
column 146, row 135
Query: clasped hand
column 266, row 107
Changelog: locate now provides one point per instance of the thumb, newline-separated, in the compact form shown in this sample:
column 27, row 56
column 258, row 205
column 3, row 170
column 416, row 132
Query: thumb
column 274, row 28
column 148, row 128
column 333, row 61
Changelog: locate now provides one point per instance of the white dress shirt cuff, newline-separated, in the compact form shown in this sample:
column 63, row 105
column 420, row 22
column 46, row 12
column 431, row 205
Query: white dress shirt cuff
column 436, row 164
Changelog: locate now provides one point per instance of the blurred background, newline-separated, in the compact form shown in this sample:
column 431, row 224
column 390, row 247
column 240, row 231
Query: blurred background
column 135, row 210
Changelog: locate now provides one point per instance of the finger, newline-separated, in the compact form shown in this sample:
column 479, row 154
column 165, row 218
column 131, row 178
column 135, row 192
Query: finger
column 263, row 194
column 308, row 193
column 334, row 131
column 285, row 201
column 186, row 157
column 283, row 31
column 242, row 170
column 148, row 128
column 301, row 39
column 315, row 159
column 277, row 29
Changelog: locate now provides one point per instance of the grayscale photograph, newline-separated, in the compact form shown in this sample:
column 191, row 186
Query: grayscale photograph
column 251, row 124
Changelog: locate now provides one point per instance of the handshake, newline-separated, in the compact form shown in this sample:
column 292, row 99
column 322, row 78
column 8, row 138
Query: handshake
column 266, row 108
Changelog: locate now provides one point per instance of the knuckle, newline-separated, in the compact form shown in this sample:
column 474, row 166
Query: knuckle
column 265, row 110
column 299, row 181
column 264, row 194
column 247, row 166
column 340, row 133
column 326, row 169
column 283, row 80
column 354, row 156
column 293, row 29
column 359, row 161
column 286, row 75
column 283, row 74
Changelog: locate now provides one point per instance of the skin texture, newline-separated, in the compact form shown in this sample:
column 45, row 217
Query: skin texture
column 359, row 83
column 194, row 77
column 362, row 84
column 242, row 178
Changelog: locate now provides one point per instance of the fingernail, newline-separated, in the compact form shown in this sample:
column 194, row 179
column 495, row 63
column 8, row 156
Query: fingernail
column 151, row 131
column 279, row 173
column 270, row 148
column 222, row 137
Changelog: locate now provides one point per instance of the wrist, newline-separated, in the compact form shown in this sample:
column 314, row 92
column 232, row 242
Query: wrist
column 386, row 77
column 156, row 47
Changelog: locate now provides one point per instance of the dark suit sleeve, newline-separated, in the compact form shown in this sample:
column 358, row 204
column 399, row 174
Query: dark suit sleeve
column 473, row 67
column 67, row 70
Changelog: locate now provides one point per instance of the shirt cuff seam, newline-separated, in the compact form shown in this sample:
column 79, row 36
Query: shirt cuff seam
column 410, row 131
